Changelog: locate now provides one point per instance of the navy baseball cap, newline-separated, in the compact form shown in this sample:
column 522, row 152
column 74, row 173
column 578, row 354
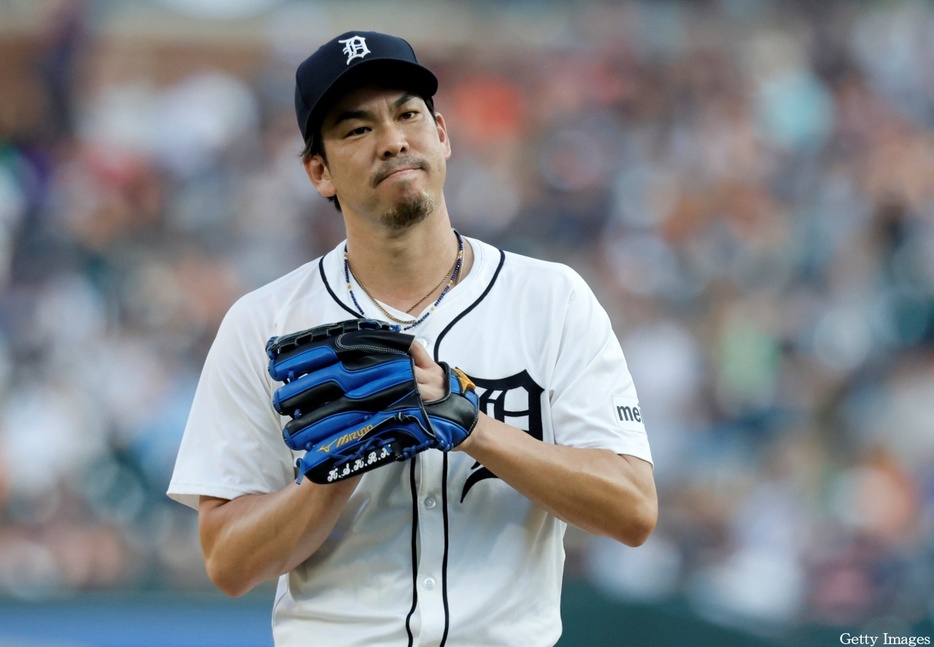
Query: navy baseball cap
column 355, row 57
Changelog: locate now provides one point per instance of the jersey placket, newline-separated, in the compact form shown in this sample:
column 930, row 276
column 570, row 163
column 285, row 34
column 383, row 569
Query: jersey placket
column 432, row 542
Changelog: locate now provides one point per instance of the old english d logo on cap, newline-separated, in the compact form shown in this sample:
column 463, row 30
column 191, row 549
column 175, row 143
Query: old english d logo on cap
column 354, row 47
column 355, row 57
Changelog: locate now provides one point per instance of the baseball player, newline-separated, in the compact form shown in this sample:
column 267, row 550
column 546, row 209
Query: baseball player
column 401, row 430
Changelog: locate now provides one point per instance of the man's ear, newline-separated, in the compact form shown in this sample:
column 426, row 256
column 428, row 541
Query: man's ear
column 443, row 134
column 317, row 171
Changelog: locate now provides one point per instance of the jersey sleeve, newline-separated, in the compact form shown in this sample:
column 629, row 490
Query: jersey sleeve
column 594, row 400
column 232, row 443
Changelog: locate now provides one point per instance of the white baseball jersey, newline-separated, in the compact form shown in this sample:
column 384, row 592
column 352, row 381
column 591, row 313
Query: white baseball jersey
column 435, row 550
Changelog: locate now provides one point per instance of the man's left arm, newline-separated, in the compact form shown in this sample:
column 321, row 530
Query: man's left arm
column 596, row 490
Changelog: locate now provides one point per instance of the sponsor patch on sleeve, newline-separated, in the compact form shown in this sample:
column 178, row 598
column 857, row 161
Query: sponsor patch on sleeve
column 627, row 413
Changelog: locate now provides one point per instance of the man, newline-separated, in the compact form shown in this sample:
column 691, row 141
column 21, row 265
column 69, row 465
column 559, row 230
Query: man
column 446, row 548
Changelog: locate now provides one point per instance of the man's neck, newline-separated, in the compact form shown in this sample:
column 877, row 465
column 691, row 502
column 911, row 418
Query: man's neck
column 401, row 267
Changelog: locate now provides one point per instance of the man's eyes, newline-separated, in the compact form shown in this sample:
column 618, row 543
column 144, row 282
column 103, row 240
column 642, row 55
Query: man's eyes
column 406, row 115
column 359, row 130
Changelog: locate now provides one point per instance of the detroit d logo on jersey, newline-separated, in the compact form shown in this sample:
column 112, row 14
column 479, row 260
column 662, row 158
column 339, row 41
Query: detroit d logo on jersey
column 515, row 400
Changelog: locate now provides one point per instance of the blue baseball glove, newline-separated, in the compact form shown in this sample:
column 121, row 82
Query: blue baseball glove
column 350, row 391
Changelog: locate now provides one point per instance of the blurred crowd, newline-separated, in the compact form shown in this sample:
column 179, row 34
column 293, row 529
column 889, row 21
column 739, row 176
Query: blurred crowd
column 748, row 186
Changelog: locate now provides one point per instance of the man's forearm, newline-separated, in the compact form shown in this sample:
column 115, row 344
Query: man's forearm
column 593, row 489
column 258, row 537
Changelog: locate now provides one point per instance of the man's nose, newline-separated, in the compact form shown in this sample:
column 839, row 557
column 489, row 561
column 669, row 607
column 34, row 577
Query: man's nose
column 393, row 141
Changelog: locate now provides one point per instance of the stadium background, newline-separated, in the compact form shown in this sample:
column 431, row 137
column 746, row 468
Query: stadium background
column 748, row 185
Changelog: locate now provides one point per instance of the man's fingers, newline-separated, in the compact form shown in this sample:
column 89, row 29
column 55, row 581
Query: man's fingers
column 428, row 374
column 420, row 355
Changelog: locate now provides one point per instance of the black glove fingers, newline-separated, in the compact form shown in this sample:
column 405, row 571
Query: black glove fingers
column 368, row 343
column 327, row 415
column 290, row 364
column 324, row 385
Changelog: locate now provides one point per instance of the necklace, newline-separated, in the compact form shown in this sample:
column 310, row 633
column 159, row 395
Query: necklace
column 409, row 323
column 444, row 278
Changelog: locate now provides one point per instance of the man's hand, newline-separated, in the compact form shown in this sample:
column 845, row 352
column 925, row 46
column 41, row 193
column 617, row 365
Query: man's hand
column 428, row 374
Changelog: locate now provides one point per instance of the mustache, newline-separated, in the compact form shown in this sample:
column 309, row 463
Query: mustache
column 388, row 168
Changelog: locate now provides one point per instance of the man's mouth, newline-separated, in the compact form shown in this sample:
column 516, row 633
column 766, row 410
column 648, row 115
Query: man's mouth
column 399, row 169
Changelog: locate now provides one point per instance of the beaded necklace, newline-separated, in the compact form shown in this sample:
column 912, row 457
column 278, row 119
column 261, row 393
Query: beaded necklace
column 407, row 324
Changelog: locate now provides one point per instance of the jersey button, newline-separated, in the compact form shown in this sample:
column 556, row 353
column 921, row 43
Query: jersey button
column 429, row 583
column 430, row 503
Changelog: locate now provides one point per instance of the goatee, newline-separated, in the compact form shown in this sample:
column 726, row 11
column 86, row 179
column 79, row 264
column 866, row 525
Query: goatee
column 409, row 212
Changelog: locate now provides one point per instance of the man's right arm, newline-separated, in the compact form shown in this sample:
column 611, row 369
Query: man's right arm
column 258, row 537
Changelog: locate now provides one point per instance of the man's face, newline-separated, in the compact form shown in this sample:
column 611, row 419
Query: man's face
column 386, row 157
